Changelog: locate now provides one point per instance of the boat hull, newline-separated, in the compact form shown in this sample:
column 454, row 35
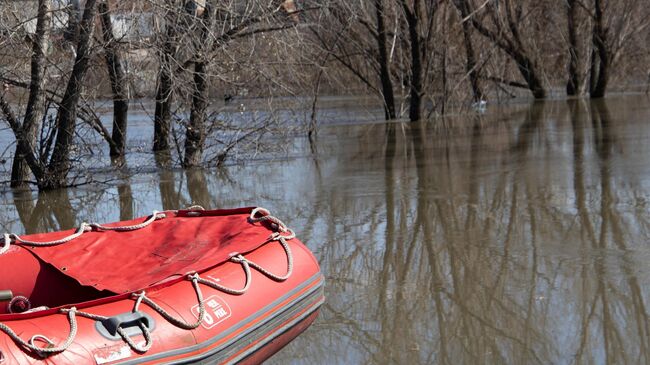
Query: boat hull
column 246, row 328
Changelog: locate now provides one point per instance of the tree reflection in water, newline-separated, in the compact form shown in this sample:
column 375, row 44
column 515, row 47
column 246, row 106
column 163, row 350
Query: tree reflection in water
column 518, row 236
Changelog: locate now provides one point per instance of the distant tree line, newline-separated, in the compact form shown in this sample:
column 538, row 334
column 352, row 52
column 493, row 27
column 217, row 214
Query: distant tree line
column 416, row 56
column 427, row 53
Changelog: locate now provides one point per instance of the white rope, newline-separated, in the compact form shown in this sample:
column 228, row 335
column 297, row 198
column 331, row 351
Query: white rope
column 247, row 271
column 266, row 216
column 171, row 319
column 147, row 338
column 10, row 238
column 51, row 349
column 269, row 274
column 152, row 218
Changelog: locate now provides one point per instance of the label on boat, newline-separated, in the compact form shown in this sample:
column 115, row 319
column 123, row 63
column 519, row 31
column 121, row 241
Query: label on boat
column 108, row 354
column 216, row 311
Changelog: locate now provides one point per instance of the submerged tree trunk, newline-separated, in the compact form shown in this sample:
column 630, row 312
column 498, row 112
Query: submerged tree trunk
column 530, row 73
column 59, row 165
column 574, row 82
column 600, row 59
column 415, row 94
column 117, row 76
column 164, row 92
column 162, row 115
column 470, row 54
column 20, row 171
column 195, row 132
column 384, row 63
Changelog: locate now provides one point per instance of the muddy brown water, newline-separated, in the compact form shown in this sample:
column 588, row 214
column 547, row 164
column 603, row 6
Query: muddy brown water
column 516, row 236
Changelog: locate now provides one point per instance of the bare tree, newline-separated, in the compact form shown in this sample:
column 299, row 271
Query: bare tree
column 614, row 27
column 53, row 174
column 35, row 106
column 501, row 23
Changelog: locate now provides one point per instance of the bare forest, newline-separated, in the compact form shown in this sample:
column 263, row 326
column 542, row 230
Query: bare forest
column 195, row 59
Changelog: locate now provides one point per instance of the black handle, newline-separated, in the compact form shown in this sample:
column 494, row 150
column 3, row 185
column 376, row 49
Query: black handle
column 129, row 322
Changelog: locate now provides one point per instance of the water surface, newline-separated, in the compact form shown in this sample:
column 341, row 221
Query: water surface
column 515, row 236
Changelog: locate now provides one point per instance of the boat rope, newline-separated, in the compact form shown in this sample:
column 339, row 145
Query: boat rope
column 51, row 348
column 153, row 217
column 282, row 235
column 265, row 272
column 142, row 297
column 247, row 271
column 12, row 238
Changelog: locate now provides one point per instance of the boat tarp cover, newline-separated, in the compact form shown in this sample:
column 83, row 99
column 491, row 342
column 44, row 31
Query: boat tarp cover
column 179, row 244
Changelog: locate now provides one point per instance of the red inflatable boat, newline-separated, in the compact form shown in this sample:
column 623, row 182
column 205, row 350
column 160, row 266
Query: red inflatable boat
column 178, row 287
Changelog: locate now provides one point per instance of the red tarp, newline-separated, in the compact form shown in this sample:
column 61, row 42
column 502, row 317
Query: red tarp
column 127, row 261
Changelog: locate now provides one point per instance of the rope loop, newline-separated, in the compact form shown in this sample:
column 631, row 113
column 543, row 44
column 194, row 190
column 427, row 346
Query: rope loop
column 266, row 216
column 148, row 342
column 41, row 338
column 270, row 275
column 247, row 272
column 171, row 319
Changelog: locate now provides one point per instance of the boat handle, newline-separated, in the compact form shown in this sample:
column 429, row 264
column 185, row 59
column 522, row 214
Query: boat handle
column 130, row 322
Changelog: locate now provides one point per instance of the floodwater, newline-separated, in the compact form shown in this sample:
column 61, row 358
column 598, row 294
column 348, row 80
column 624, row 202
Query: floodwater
column 516, row 236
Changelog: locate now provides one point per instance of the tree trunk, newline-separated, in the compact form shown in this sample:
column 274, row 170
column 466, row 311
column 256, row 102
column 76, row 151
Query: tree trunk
column 415, row 94
column 59, row 165
column 574, row 83
column 117, row 76
column 164, row 92
column 529, row 73
column 384, row 62
column 162, row 115
column 195, row 132
column 600, row 59
column 470, row 55
column 35, row 105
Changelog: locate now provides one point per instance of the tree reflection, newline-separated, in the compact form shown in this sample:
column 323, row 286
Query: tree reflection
column 508, row 244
